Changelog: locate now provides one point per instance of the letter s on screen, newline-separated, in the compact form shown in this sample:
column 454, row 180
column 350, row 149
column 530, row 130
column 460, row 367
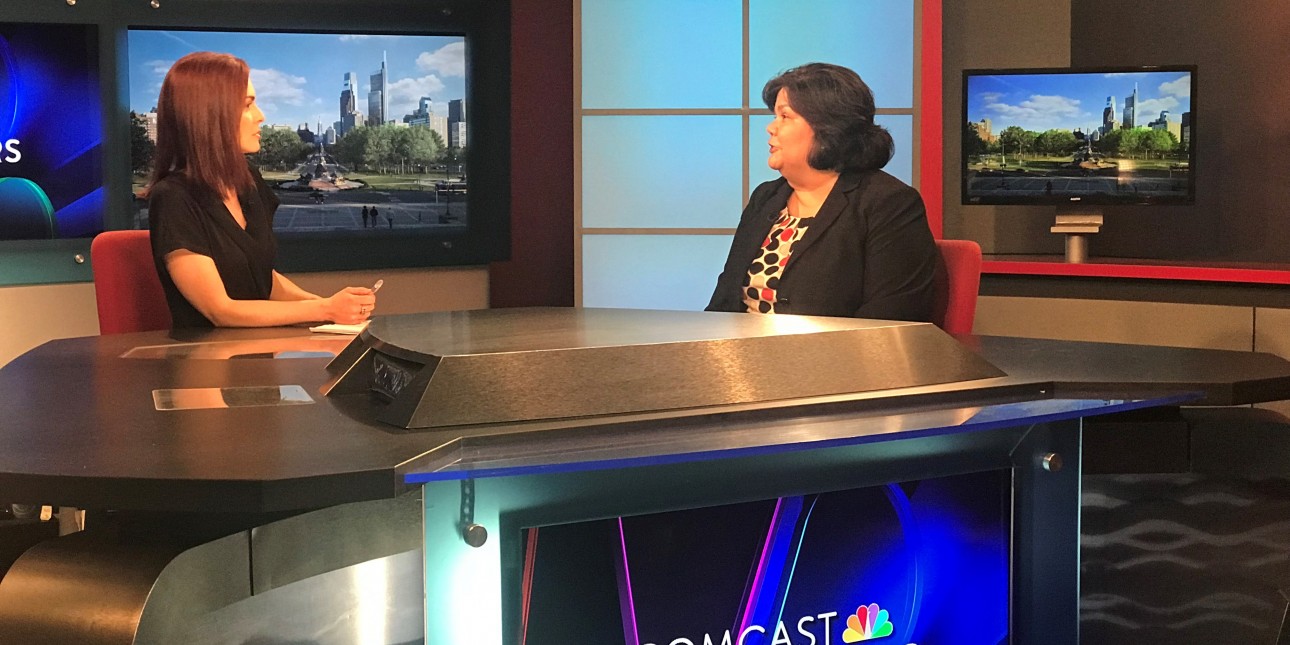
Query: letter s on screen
column 13, row 155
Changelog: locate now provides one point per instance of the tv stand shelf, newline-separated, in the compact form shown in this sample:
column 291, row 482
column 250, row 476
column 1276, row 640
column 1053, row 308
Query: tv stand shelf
column 1132, row 268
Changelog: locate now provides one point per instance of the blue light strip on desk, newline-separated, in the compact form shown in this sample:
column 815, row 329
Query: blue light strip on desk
column 988, row 418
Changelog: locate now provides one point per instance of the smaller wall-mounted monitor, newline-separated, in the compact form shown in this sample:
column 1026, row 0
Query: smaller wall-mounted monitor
column 51, row 132
column 1079, row 136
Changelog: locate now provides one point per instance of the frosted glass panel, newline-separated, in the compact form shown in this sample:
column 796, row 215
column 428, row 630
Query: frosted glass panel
column 873, row 37
column 661, row 171
column 901, row 128
column 662, row 53
column 901, row 165
column 651, row 271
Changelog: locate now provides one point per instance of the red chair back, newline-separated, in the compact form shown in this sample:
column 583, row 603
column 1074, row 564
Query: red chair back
column 958, row 279
column 126, row 286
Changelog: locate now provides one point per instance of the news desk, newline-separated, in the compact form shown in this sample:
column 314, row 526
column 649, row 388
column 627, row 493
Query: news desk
column 245, row 486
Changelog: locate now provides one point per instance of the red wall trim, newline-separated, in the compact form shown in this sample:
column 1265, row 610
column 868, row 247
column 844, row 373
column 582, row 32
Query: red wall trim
column 540, row 271
column 931, row 139
column 1250, row 275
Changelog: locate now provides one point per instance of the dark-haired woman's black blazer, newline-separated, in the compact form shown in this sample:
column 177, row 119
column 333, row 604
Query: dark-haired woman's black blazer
column 868, row 253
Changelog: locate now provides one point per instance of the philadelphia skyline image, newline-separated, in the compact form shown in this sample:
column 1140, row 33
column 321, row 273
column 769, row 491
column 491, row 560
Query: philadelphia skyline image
column 1039, row 102
column 298, row 77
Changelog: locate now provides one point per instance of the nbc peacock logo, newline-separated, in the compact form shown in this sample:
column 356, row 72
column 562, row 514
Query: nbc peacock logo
column 869, row 622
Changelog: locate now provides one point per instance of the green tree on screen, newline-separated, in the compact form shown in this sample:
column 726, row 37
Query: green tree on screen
column 142, row 149
column 349, row 148
column 973, row 144
column 1109, row 144
column 280, row 149
column 415, row 147
column 1133, row 143
column 379, row 149
column 1015, row 140
column 1159, row 142
column 1057, row 143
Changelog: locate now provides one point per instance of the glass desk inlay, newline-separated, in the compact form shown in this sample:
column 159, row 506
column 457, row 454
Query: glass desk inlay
column 209, row 398
column 317, row 346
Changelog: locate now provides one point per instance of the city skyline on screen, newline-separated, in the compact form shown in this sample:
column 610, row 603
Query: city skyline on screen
column 299, row 77
column 1077, row 101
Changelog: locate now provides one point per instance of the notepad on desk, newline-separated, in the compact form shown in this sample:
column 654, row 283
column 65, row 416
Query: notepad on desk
column 337, row 328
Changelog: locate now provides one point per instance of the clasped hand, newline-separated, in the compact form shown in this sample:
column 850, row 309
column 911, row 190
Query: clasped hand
column 351, row 305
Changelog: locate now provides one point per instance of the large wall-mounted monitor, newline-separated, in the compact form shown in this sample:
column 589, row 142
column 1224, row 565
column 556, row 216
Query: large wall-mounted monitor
column 51, row 132
column 1073, row 136
column 364, row 134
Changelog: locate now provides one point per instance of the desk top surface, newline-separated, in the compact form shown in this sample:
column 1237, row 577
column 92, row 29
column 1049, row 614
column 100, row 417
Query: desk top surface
column 79, row 424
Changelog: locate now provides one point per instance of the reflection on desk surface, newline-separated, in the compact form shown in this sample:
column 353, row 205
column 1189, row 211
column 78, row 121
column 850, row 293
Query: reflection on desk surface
column 288, row 347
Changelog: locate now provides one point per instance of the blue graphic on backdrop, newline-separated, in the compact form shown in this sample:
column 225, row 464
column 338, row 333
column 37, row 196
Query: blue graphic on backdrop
column 923, row 562
column 51, row 132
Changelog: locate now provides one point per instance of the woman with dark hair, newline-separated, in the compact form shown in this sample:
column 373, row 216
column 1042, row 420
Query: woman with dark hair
column 835, row 235
column 211, row 214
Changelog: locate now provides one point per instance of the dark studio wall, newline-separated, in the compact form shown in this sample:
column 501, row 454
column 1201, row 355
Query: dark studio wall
column 1242, row 51
column 1242, row 113
column 996, row 34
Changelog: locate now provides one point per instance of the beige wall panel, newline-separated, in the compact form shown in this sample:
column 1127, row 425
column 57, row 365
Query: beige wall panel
column 1272, row 335
column 1114, row 321
column 409, row 291
column 32, row 315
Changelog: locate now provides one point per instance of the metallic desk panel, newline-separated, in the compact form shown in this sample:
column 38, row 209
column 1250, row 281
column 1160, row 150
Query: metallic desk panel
column 502, row 365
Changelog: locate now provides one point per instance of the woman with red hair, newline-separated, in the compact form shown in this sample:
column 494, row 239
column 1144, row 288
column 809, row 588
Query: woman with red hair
column 211, row 214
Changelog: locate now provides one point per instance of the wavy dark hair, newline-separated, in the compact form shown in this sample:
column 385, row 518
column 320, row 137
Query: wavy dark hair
column 840, row 108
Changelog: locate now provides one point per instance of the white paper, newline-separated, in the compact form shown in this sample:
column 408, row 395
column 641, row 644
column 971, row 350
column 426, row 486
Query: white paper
column 336, row 328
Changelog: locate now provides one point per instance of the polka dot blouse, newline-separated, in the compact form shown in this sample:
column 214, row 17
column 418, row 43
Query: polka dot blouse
column 763, row 274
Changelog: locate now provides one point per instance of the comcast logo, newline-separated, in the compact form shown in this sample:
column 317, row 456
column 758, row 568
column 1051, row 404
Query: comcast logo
column 869, row 622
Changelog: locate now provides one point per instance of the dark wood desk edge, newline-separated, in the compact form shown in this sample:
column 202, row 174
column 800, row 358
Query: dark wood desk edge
column 378, row 481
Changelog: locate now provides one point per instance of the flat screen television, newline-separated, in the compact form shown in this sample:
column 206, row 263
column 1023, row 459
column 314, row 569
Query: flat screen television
column 1079, row 136
column 364, row 134
column 51, row 132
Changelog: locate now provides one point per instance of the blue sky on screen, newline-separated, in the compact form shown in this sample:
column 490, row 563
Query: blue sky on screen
column 1041, row 102
column 299, row 77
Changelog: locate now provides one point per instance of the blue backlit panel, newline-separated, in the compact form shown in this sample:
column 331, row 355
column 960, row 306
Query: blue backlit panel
column 51, row 132
column 651, row 271
column 662, row 53
column 661, row 171
column 901, row 165
column 916, row 562
column 875, row 38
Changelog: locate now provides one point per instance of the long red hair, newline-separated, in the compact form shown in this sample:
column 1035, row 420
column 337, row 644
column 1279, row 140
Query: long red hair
column 199, row 116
